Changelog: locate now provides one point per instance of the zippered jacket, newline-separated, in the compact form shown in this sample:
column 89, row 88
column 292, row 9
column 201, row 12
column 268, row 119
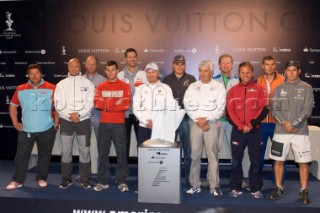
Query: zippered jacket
column 293, row 102
column 233, row 80
column 151, row 97
column 269, row 90
column 113, row 98
column 74, row 94
column 246, row 105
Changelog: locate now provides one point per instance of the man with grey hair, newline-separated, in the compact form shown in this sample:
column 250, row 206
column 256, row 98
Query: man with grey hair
column 93, row 75
column 205, row 102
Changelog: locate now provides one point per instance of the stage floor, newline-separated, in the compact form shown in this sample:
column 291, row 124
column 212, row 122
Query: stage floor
column 75, row 199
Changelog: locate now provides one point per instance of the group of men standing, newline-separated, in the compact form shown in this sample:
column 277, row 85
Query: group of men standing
column 225, row 109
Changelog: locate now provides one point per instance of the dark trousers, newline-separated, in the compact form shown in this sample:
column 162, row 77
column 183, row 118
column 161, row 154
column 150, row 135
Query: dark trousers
column 239, row 141
column 117, row 134
column 131, row 120
column 45, row 141
column 143, row 134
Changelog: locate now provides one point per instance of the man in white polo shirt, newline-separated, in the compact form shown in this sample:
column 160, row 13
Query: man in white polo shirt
column 205, row 102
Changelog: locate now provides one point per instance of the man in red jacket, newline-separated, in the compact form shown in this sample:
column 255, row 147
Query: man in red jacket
column 113, row 99
column 247, row 105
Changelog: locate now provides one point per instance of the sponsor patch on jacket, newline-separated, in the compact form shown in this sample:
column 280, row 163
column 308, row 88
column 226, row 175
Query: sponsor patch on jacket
column 235, row 143
column 283, row 92
column 84, row 89
column 251, row 90
column 112, row 94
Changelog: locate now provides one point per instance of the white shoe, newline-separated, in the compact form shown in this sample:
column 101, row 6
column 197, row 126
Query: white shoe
column 193, row 190
column 123, row 187
column 100, row 187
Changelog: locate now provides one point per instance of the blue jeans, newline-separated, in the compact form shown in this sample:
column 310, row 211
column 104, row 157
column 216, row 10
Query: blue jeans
column 184, row 135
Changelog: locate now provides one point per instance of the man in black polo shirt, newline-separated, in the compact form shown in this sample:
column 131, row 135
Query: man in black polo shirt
column 179, row 82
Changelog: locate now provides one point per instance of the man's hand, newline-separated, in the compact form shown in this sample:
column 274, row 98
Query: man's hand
column 18, row 126
column 201, row 122
column 246, row 129
column 206, row 127
column 149, row 124
column 288, row 128
column 74, row 117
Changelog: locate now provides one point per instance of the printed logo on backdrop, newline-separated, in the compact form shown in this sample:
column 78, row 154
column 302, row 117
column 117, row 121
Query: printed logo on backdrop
column 45, row 63
column 119, row 50
column 42, row 51
column 9, row 32
column 60, row 75
column 217, row 50
column 8, row 51
column 7, row 75
column 8, row 87
column 186, row 50
column 2, row 126
column 311, row 50
column 281, row 50
column 63, row 51
column 146, row 50
column 95, row 51
column 249, row 49
column 311, row 75
column 7, row 100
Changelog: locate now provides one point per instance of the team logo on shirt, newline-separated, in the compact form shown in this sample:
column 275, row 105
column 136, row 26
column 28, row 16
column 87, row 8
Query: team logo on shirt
column 283, row 93
column 251, row 90
column 186, row 83
column 84, row 89
column 198, row 88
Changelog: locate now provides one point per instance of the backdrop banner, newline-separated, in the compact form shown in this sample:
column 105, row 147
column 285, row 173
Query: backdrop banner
column 50, row 33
